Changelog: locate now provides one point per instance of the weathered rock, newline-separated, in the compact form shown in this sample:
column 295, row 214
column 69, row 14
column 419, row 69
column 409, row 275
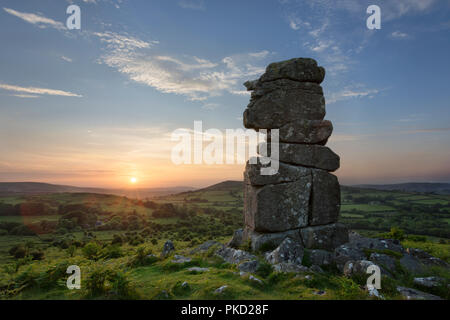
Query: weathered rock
column 185, row 285
column 326, row 237
column 279, row 207
column 358, row 242
column 314, row 156
column 316, row 268
column 298, row 69
column 414, row 294
column 412, row 264
column 287, row 267
column 320, row 292
column 198, row 269
column 356, row 267
column 249, row 266
column 286, row 173
column 180, row 259
column 326, row 198
column 429, row 282
column 237, row 239
column 306, row 131
column 385, row 262
column 234, row 256
column 373, row 292
column 269, row 241
column 289, row 251
column 252, row 278
column 206, row 246
column 275, row 104
column 320, row 257
column 354, row 248
column 221, row 289
column 426, row 258
column 167, row 248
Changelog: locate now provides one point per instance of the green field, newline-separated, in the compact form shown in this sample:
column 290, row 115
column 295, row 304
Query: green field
column 188, row 219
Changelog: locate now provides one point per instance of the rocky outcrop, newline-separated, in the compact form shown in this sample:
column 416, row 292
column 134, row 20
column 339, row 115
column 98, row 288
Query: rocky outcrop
column 302, row 200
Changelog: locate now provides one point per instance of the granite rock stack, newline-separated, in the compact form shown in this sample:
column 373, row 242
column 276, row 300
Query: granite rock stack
column 302, row 200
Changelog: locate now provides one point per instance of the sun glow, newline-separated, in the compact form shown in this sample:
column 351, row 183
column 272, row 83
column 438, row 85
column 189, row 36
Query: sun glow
column 133, row 180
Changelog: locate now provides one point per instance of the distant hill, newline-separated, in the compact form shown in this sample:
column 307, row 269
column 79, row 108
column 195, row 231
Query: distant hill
column 17, row 188
column 228, row 185
column 424, row 187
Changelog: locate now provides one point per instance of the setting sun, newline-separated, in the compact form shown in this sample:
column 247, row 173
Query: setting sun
column 133, row 180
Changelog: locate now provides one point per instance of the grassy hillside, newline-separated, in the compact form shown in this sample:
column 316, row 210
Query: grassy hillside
column 113, row 235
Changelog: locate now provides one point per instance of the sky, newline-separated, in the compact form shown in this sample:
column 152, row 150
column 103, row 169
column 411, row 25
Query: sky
column 97, row 106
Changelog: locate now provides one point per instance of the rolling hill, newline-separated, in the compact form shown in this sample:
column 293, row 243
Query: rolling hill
column 20, row 188
column 423, row 187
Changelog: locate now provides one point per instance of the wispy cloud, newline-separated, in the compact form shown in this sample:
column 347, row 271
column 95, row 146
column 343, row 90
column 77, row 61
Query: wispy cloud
column 36, row 19
column 26, row 96
column 399, row 35
column 351, row 93
column 192, row 4
column 39, row 91
column 67, row 59
column 191, row 76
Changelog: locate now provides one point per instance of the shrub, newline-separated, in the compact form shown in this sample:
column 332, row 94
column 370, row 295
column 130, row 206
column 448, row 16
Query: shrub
column 117, row 239
column 264, row 269
column 71, row 250
column 95, row 283
column 143, row 257
column 112, row 252
column 22, row 230
column 121, row 286
column 91, row 251
column 18, row 251
column 37, row 255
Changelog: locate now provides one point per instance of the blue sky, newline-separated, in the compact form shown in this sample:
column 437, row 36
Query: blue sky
column 97, row 105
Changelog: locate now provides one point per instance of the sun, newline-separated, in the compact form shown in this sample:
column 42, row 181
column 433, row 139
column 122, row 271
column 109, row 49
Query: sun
column 133, row 180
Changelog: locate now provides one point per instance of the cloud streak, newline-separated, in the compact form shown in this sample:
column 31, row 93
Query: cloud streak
column 191, row 76
column 39, row 91
column 36, row 19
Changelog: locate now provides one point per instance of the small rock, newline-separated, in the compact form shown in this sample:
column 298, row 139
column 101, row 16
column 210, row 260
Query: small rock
column 414, row 294
column 426, row 258
column 429, row 282
column 234, row 256
column 237, row 239
column 373, row 292
column 384, row 262
column 205, row 246
column 167, row 248
column 249, row 266
column 356, row 267
column 320, row 257
column 252, row 278
column 287, row 267
column 412, row 264
column 198, row 269
column 320, row 292
column 316, row 268
column 185, row 285
column 180, row 259
column 221, row 289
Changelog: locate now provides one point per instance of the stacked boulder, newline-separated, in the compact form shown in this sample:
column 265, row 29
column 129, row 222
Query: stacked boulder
column 302, row 200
